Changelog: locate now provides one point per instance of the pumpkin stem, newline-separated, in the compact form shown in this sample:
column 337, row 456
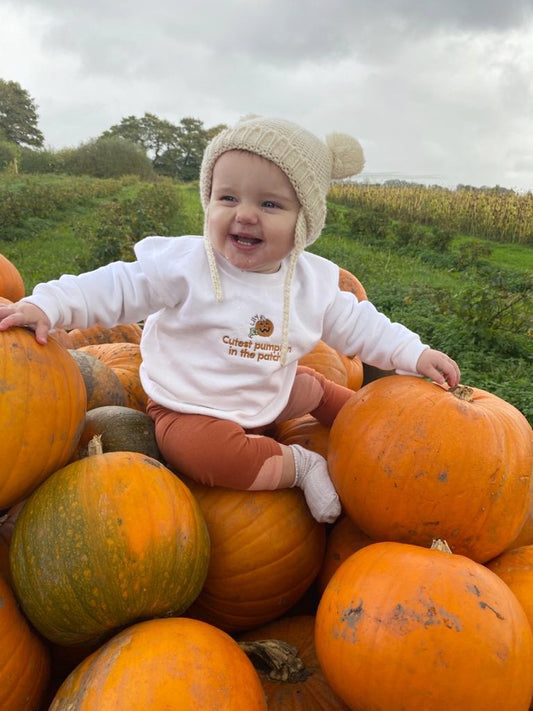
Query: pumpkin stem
column 95, row 445
column 440, row 545
column 463, row 392
column 277, row 659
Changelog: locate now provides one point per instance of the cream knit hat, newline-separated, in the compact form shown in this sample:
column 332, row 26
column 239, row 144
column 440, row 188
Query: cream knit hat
column 309, row 163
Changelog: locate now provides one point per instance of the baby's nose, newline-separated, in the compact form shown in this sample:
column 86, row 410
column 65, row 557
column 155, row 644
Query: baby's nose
column 247, row 214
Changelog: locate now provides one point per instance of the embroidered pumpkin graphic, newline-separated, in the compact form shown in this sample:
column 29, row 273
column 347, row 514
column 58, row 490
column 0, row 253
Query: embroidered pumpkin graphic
column 264, row 327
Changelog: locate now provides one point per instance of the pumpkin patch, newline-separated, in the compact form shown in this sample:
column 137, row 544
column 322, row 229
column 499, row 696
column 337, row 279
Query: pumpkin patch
column 133, row 579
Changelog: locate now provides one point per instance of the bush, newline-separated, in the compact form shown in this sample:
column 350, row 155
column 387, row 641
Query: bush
column 108, row 158
column 41, row 161
column 8, row 154
column 119, row 225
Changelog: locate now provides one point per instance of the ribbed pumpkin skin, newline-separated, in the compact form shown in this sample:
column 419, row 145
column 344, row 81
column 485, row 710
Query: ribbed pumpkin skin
column 344, row 538
column 266, row 550
column 24, row 659
column 349, row 282
column 306, row 431
column 101, row 382
column 173, row 663
column 125, row 360
column 104, row 542
column 515, row 568
column 127, row 333
column 120, row 429
column 334, row 365
column 404, row 628
column 525, row 535
column 410, row 461
column 11, row 283
column 43, row 402
column 308, row 691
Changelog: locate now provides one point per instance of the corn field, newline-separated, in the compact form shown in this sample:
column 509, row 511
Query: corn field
column 497, row 214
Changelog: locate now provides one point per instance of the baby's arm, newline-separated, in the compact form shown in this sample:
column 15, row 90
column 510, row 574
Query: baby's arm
column 23, row 313
column 439, row 367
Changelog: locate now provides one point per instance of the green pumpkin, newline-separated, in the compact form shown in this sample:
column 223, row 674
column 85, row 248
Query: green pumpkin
column 108, row 540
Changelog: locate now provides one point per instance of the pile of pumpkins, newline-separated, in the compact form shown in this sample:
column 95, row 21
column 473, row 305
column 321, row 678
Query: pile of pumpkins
column 124, row 585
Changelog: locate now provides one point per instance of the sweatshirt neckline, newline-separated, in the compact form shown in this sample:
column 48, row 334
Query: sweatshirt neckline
column 270, row 278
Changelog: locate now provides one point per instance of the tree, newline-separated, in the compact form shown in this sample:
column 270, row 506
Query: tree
column 175, row 151
column 18, row 116
column 183, row 160
column 153, row 134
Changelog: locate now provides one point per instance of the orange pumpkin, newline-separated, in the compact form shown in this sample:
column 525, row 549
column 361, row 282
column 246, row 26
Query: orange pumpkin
column 266, row 550
column 43, row 406
column 349, row 282
column 344, row 538
column 409, row 458
column 11, row 283
column 125, row 360
column 525, row 535
column 334, row 365
column 24, row 659
column 101, row 382
column 106, row 541
column 305, row 689
column 173, row 663
column 304, row 430
column 515, row 568
column 403, row 628
column 77, row 337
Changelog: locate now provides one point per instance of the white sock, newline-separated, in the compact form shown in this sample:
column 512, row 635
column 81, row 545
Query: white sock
column 313, row 478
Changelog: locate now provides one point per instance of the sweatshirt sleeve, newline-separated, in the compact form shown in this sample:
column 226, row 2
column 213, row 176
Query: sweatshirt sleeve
column 116, row 293
column 358, row 328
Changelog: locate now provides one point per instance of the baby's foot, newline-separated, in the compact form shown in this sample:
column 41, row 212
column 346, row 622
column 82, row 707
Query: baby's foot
column 313, row 478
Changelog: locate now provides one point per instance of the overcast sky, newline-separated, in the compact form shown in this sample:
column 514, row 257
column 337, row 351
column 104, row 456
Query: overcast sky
column 435, row 90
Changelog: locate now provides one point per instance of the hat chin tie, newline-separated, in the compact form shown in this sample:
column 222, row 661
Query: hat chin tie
column 300, row 240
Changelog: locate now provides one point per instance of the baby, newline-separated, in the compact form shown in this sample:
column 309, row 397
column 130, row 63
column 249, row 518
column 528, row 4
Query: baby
column 229, row 314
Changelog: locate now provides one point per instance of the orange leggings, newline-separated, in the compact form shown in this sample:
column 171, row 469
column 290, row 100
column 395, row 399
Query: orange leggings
column 222, row 453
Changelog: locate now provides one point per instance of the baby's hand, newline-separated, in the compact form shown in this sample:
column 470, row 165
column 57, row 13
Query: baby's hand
column 22, row 313
column 439, row 367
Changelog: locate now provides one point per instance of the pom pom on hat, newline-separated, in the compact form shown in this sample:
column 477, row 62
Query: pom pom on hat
column 347, row 155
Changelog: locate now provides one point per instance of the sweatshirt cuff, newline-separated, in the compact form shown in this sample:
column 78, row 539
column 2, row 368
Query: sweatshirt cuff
column 405, row 363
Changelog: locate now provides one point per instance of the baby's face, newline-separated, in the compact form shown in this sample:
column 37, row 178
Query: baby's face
column 252, row 212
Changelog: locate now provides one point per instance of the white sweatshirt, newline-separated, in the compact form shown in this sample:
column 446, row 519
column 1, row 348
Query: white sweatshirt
column 223, row 358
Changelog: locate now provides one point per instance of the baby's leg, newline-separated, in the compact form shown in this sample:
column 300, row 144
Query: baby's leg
column 221, row 453
column 313, row 393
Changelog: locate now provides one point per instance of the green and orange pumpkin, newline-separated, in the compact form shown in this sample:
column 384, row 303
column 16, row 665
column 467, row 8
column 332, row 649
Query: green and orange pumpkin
column 105, row 541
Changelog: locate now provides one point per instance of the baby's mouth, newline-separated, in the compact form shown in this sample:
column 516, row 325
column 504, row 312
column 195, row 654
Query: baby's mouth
column 245, row 240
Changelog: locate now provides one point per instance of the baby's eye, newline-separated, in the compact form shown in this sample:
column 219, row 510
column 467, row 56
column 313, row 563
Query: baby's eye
column 270, row 204
column 227, row 198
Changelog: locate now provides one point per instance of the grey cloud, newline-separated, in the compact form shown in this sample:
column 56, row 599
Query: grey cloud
column 119, row 35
